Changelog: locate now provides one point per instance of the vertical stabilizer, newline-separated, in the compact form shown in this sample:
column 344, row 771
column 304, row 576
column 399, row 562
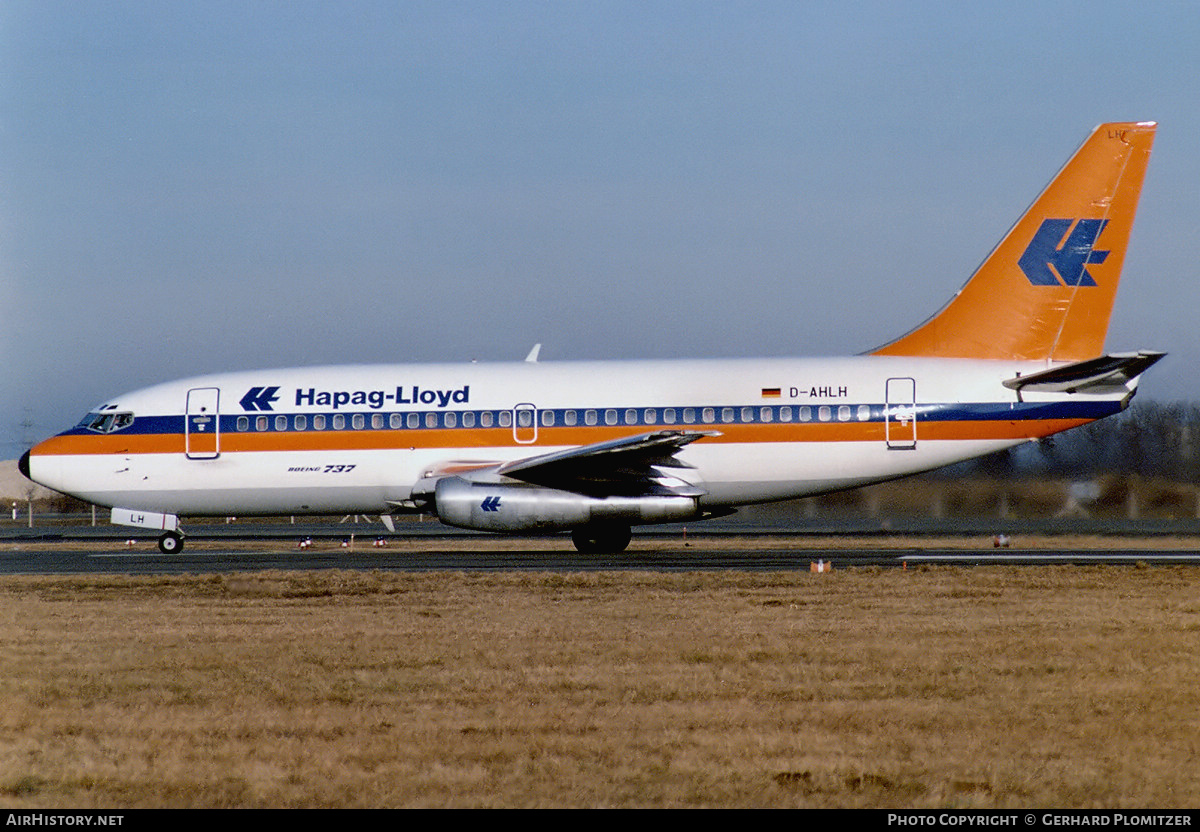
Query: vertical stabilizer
column 1047, row 290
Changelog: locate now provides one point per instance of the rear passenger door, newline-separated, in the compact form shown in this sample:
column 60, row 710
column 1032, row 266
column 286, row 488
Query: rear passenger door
column 900, row 414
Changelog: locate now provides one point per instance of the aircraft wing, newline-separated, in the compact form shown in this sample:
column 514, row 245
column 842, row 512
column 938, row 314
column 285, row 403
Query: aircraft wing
column 625, row 466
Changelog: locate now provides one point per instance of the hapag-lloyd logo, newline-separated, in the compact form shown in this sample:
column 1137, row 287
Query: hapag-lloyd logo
column 259, row 398
column 375, row 399
column 1059, row 254
column 263, row 398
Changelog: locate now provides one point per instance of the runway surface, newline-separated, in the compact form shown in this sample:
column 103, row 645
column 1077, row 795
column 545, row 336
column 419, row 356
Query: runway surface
column 67, row 549
column 82, row 562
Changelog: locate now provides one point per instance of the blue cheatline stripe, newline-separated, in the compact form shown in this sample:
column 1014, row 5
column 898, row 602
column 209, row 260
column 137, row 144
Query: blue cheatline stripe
column 652, row 418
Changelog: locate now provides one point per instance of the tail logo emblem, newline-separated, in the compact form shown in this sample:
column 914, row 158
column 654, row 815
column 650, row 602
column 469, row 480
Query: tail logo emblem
column 1058, row 255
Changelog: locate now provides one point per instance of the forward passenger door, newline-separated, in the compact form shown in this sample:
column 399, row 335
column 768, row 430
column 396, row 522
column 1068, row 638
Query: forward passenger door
column 202, row 423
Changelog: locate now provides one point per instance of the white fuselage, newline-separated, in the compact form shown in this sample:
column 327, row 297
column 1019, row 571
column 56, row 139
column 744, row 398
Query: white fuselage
column 358, row 438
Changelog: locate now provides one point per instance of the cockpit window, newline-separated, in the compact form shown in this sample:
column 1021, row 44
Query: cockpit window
column 107, row 422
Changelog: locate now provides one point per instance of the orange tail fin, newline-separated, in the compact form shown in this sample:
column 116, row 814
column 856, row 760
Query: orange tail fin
column 1047, row 290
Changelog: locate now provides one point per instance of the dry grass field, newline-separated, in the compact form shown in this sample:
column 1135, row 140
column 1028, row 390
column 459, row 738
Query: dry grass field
column 933, row 687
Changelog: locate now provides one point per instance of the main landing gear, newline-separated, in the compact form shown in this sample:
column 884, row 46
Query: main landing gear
column 601, row 539
column 170, row 543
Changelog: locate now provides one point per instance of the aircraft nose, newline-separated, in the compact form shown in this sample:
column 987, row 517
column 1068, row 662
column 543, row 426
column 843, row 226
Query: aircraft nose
column 23, row 465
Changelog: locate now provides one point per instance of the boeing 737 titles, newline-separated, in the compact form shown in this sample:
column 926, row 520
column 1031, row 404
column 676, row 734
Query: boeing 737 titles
column 597, row 447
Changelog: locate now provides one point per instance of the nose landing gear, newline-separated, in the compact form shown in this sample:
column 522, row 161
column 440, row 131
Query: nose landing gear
column 170, row 543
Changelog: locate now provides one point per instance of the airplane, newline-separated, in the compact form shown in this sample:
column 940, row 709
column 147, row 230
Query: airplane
column 596, row 447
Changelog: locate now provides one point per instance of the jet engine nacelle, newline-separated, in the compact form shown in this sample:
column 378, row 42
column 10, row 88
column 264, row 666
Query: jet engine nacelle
column 506, row 507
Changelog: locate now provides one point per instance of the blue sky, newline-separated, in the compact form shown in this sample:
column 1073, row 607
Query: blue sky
column 195, row 187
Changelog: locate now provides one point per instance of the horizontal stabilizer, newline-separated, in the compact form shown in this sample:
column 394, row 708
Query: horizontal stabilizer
column 1108, row 371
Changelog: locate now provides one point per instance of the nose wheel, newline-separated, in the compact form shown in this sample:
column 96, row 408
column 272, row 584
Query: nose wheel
column 170, row 543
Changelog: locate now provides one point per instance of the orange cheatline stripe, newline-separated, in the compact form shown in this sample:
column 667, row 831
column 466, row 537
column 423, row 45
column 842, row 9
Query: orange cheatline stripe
column 463, row 439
